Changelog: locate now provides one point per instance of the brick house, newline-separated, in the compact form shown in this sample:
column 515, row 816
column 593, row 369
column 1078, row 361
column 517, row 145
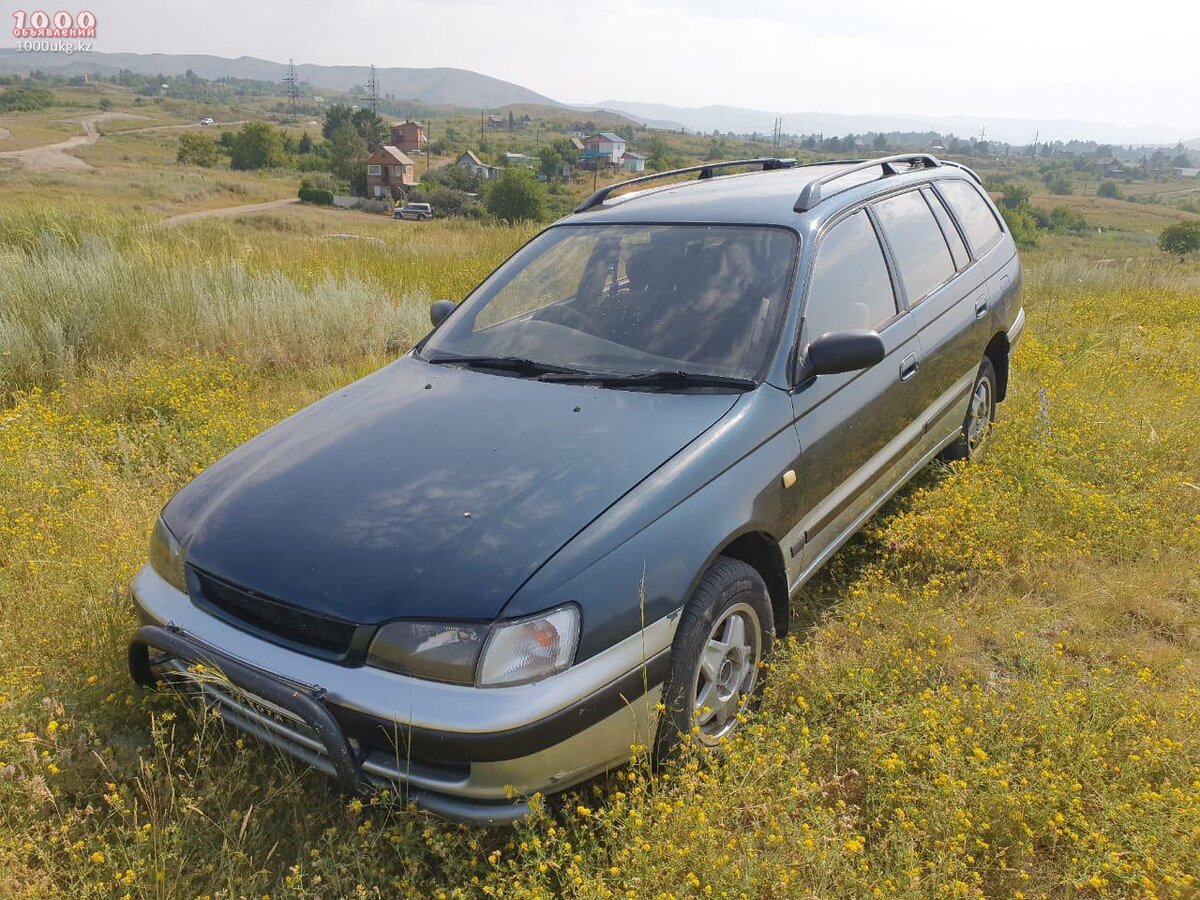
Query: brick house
column 389, row 173
column 409, row 136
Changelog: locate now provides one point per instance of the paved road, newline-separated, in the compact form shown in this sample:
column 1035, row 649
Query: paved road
column 230, row 211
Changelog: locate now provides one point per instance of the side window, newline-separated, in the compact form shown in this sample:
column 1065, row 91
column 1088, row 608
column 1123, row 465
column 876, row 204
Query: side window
column 917, row 243
column 973, row 212
column 958, row 249
column 850, row 286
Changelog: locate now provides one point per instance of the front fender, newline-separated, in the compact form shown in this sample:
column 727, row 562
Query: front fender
column 641, row 559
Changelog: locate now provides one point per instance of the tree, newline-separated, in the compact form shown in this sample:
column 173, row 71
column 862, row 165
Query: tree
column 106, row 104
column 661, row 157
column 257, row 145
column 305, row 145
column 348, row 154
column 370, row 127
column 1180, row 239
column 337, row 115
column 197, row 150
column 550, row 161
column 516, row 196
column 1109, row 189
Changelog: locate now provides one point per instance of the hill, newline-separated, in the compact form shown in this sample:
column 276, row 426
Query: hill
column 442, row 86
column 1010, row 130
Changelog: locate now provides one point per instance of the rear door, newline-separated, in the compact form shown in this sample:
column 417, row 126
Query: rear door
column 855, row 428
column 947, row 298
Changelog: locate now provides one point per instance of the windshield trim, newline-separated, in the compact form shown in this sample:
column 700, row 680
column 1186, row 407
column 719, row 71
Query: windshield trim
column 574, row 221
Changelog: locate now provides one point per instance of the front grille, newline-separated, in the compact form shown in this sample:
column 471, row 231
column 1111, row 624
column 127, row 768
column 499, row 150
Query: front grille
column 272, row 619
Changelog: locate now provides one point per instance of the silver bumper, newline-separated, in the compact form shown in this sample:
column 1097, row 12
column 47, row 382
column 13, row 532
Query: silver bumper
column 477, row 791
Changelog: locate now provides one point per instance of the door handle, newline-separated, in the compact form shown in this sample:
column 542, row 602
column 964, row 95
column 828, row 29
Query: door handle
column 908, row 368
column 981, row 305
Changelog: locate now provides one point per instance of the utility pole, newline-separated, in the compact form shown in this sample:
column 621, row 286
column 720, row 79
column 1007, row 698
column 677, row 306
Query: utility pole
column 291, row 86
column 373, row 91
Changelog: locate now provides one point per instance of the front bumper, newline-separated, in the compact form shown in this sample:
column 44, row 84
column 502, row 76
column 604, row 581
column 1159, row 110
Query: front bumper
column 458, row 751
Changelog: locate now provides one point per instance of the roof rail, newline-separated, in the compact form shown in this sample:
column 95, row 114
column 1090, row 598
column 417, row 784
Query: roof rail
column 812, row 193
column 967, row 169
column 706, row 171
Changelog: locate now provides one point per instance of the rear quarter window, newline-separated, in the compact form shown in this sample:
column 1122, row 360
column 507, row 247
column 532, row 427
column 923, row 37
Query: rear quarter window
column 973, row 213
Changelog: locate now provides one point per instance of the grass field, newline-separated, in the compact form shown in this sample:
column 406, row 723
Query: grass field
column 993, row 692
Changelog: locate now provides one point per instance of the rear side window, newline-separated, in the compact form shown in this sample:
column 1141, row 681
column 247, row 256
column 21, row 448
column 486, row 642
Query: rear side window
column 917, row 244
column 958, row 249
column 850, row 286
column 977, row 218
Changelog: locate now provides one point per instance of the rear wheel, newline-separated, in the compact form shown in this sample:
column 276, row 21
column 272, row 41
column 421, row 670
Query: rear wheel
column 981, row 411
column 725, row 631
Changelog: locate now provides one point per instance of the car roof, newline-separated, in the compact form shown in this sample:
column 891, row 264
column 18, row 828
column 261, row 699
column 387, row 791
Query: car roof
column 768, row 197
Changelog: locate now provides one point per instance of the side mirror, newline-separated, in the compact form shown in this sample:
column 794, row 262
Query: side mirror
column 845, row 351
column 439, row 310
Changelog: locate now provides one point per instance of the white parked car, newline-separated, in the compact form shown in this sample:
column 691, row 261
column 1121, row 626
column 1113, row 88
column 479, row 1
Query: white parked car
column 208, row 120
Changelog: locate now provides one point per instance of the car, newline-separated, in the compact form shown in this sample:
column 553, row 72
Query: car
column 572, row 518
column 208, row 120
column 420, row 211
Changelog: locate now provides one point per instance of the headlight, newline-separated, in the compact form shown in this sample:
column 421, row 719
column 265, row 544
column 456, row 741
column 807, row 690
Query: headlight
column 166, row 556
column 529, row 649
column 441, row 651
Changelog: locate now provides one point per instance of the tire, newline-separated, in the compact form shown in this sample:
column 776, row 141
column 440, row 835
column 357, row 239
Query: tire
column 981, row 412
column 730, row 608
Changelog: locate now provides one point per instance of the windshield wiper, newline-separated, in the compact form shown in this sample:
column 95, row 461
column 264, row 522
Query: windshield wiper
column 658, row 378
column 508, row 364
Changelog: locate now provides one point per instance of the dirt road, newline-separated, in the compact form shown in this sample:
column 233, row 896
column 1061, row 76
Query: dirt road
column 230, row 211
column 54, row 157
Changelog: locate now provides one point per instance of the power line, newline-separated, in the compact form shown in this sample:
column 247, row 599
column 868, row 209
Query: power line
column 291, row 86
column 373, row 91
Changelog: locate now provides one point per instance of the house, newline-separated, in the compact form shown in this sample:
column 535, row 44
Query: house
column 389, row 173
column 633, row 162
column 497, row 122
column 576, row 144
column 1185, row 172
column 605, row 144
column 476, row 165
column 409, row 136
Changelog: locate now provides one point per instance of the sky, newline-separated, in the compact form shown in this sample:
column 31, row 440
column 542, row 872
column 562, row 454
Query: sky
column 1127, row 65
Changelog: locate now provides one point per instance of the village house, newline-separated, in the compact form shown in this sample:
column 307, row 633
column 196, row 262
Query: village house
column 633, row 162
column 409, row 136
column 1185, row 172
column 497, row 122
column 605, row 146
column 576, row 144
column 476, row 166
column 389, row 173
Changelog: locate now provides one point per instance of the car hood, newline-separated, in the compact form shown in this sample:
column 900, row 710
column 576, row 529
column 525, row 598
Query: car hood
column 426, row 491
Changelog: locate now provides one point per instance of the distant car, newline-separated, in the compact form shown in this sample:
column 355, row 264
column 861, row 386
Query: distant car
column 208, row 120
column 572, row 518
column 414, row 211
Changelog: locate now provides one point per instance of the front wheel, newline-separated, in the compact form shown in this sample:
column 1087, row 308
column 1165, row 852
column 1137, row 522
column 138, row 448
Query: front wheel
column 725, row 632
column 981, row 412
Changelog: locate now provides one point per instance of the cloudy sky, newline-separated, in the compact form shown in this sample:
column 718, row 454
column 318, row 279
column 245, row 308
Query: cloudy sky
column 1021, row 58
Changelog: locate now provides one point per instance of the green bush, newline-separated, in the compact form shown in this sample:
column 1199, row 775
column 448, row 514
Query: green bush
column 516, row 196
column 310, row 193
column 1180, row 239
column 197, row 149
column 1059, row 183
column 257, row 145
column 1109, row 189
column 1021, row 224
column 1065, row 220
column 25, row 98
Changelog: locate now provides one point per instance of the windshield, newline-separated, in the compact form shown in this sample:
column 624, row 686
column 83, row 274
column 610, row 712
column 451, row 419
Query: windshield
column 631, row 299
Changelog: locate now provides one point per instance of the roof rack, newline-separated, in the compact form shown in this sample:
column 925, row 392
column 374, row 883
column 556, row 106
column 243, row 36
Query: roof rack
column 967, row 169
column 812, row 193
column 706, row 171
